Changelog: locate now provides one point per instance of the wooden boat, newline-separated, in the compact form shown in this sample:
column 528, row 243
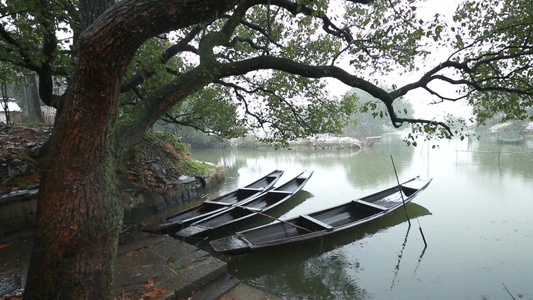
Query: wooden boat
column 321, row 223
column 247, row 209
column 186, row 217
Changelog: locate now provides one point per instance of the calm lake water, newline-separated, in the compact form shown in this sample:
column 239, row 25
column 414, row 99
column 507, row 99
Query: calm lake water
column 476, row 216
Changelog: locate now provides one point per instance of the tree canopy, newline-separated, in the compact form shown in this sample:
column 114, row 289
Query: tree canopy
column 261, row 65
column 495, row 57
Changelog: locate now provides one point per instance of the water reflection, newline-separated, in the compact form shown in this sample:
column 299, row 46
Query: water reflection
column 362, row 169
column 320, row 277
column 295, row 254
column 478, row 231
column 504, row 159
column 318, row 269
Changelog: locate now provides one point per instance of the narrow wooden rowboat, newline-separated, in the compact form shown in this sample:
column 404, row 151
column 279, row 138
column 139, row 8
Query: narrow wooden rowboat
column 246, row 210
column 209, row 207
column 321, row 223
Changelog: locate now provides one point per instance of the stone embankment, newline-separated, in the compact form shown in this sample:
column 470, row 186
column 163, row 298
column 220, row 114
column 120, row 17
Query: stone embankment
column 149, row 180
column 18, row 209
column 148, row 267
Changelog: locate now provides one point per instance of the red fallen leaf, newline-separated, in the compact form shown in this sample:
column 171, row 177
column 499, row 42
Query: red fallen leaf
column 18, row 297
column 190, row 267
column 156, row 292
column 150, row 283
column 4, row 245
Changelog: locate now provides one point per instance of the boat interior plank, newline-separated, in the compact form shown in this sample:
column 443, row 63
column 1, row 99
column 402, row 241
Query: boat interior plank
column 318, row 222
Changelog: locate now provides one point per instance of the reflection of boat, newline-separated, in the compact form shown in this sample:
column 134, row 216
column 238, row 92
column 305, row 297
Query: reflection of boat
column 247, row 265
column 516, row 140
column 209, row 207
column 247, row 209
column 321, row 223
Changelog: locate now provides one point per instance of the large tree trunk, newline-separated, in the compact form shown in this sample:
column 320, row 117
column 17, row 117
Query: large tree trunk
column 79, row 213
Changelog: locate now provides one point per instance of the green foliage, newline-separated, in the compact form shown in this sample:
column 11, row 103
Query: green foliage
column 149, row 60
column 388, row 35
column 28, row 24
column 198, row 110
column 174, row 141
column 194, row 167
column 500, row 46
column 183, row 162
column 432, row 130
column 300, row 107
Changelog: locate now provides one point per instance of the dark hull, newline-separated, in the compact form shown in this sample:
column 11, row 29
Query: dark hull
column 321, row 223
column 246, row 210
column 186, row 217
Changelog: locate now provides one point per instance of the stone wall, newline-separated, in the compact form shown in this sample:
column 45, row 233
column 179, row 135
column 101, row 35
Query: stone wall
column 18, row 209
column 140, row 202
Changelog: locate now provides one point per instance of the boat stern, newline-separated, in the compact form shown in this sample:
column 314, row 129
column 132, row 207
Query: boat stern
column 163, row 228
column 193, row 230
column 230, row 245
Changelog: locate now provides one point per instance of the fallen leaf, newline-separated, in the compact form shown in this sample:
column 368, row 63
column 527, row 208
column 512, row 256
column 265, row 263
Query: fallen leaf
column 190, row 267
column 11, row 298
column 150, row 283
column 156, row 292
column 4, row 245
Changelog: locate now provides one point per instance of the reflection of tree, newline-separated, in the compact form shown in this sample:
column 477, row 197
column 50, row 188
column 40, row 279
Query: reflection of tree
column 313, row 270
column 504, row 159
column 330, row 270
column 320, row 277
column 374, row 165
column 363, row 168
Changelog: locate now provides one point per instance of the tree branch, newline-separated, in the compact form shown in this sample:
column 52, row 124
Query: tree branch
column 182, row 45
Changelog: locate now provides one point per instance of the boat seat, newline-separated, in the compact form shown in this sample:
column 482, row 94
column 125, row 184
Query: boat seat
column 280, row 192
column 249, row 207
column 218, row 203
column 371, row 204
column 317, row 222
column 252, row 189
column 414, row 184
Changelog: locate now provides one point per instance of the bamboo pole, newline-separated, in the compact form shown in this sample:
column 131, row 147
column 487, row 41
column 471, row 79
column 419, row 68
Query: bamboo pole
column 401, row 192
column 404, row 206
